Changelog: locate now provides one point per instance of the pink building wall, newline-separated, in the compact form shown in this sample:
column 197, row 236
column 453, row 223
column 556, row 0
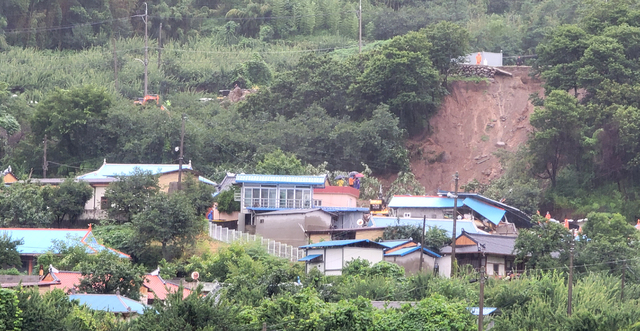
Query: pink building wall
column 337, row 196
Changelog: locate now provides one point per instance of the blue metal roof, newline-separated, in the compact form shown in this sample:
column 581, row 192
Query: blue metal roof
column 109, row 302
column 39, row 241
column 400, row 201
column 281, row 179
column 340, row 243
column 116, row 169
column 308, row 258
column 207, row 181
column 446, row 225
column 392, row 244
column 344, row 209
column 493, row 214
column 485, row 310
column 408, row 250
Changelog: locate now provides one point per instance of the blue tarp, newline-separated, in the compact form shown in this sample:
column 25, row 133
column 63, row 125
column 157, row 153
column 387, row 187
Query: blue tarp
column 109, row 302
column 493, row 214
column 281, row 179
column 422, row 202
column 446, row 225
column 340, row 243
column 408, row 250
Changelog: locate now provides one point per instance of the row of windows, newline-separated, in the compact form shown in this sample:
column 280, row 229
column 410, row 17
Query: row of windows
column 272, row 197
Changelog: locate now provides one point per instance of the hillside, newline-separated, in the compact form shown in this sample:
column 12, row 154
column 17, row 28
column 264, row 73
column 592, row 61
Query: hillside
column 473, row 119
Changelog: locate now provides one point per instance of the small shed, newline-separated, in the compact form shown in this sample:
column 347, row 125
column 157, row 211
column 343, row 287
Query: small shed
column 407, row 255
column 330, row 257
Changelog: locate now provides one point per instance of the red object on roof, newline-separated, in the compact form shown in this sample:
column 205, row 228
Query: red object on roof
column 638, row 225
column 548, row 216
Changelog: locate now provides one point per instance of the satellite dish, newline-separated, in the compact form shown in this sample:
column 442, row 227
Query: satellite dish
column 360, row 222
column 177, row 148
column 195, row 275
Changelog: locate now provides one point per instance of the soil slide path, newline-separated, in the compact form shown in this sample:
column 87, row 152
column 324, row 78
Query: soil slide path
column 474, row 121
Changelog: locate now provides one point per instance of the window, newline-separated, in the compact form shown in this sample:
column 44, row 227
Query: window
column 496, row 269
column 261, row 220
column 407, row 215
column 447, row 214
column 317, row 203
column 104, row 203
column 260, row 197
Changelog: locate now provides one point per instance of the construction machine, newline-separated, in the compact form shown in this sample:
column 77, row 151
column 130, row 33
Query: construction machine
column 149, row 97
column 378, row 207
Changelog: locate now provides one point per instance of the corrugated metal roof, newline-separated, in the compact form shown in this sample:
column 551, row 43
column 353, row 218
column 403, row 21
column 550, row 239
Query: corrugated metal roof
column 485, row 310
column 344, row 209
column 112, row 303
column 289, row 211
column 281, row 179
column 401, row 201
column 118, row 169
column 489, row 244
column 392, row 244
column 408, row 250
column 309, row 258
column 446, row 225
column 207, row 181
column 39, row 241
column 493, row 214
column 341, row 243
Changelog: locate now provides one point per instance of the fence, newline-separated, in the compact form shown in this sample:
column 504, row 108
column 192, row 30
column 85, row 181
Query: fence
column 273, row 247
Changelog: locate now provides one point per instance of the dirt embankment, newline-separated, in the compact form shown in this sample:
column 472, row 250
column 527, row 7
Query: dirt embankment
column 474, row 121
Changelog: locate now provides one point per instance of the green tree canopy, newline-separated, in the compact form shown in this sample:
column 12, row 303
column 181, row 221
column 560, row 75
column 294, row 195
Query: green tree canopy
column 129, row 194
column 279, row 163
column 67, row 200
column 9, row 256
column 108, row 273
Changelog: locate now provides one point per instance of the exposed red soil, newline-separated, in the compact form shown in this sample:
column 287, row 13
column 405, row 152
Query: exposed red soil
column 473, row 123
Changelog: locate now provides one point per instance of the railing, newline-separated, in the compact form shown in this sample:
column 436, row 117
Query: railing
column 273, row 247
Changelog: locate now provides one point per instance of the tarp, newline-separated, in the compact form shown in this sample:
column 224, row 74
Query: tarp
column 493, row 214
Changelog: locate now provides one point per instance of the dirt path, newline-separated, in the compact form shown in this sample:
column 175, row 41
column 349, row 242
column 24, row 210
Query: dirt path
column 474, row 121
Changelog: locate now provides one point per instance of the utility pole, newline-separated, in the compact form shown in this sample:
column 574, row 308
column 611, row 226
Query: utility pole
column 115, row 63
column 45, row 164
column 481, row 303
column 360, row 28
column 570, row 284
column 181, row 154
column 424, row 224
column 146, row 50
column 454, row 262
column 159, row 46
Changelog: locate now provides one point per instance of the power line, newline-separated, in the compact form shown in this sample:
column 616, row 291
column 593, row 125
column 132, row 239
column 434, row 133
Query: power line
column 63, row 27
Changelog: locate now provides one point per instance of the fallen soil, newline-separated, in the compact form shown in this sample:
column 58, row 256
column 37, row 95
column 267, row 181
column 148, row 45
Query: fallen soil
column 474, row 121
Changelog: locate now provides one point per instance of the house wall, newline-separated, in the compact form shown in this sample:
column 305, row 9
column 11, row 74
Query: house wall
column 430, row 213
column 335, row 199
column 333, row 261
column 217, row 215
column 349, row 220
column 411, row 262
column 495, row 260
column 9, row 178
column 165, row 180
column 98, row 193
column 316, row 238
column 373, row 255
column 444, row 266
column 289, row 229
column 319, row 265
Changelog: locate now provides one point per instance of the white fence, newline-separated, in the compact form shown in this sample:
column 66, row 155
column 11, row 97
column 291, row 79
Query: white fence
column 273, row 247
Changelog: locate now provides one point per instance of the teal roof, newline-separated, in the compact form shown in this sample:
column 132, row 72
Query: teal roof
column 109, row 302
column 392, row 244
column 109, row 170
column 281, row 179
column 446, row 225
column 39, row 241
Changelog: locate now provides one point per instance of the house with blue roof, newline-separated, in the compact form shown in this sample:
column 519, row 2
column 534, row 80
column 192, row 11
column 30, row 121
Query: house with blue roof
column 486, row 213
column 407, row 254
column 36, row 242
column 330, row 257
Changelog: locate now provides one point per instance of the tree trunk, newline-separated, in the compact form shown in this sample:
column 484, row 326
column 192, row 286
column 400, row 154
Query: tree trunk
column 164, row 251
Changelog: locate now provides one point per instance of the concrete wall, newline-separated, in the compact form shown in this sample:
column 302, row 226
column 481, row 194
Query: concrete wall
column 319, row 265
column 495, row 260
column 431, row 213
column 349, row 220
column 333, row 261
column 373, row 255
column 217, row 215
column 288, row 228
column 335, row 199
column 316, row 238
column 335, row 258
column 444, row 264
column 411, row 262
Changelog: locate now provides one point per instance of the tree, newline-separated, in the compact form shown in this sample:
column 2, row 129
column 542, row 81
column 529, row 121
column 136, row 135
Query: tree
column 109, row 273
column 67, row 200
column 23, row 204
column 450, row 42
column 68, row 118
column 9, row 256
column 168, row 219
column 10, row 313
column 557, row 138
column 405, row 183
column 226, row 202
column 536, row 245
column 44, row 311
column 199, row 193
column 129, row 194
column 279, row 163
column 434, row 238
column 559, row 57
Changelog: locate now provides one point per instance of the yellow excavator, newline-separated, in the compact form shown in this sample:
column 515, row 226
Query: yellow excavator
column 149, row 97
column 378, row 207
